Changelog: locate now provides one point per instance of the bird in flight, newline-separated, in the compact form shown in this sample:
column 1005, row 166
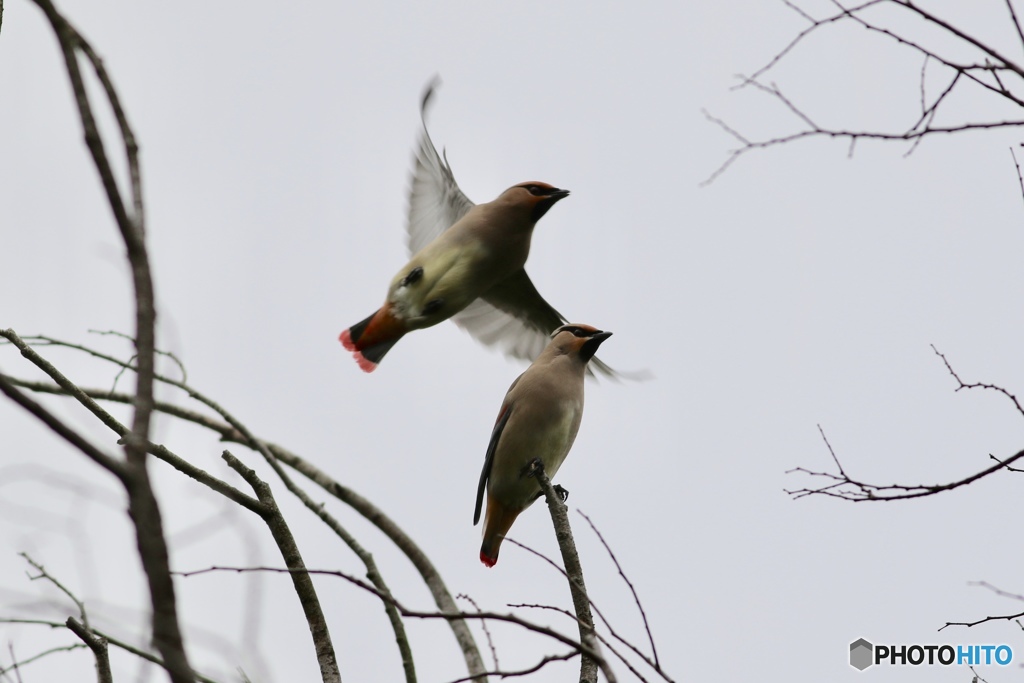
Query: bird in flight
column 467, row 264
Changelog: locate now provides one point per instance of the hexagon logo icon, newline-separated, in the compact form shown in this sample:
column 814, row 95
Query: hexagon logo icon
column 861, row 654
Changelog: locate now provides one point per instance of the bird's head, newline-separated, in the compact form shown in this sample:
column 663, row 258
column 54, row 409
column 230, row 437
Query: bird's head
column 534, row 196
column 579, row 339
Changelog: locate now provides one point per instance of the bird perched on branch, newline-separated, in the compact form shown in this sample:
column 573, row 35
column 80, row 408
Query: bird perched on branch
column 467, row 264
column 539, row 418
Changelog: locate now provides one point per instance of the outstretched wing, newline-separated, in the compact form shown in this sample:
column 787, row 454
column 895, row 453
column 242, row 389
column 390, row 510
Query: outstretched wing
column 435, row 200
column 516, row 319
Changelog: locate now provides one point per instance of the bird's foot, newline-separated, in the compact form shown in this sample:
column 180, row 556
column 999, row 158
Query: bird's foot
column 562, row 492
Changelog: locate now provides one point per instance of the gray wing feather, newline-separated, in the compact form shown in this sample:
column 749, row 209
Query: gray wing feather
column 435, row 200
column 515, row 318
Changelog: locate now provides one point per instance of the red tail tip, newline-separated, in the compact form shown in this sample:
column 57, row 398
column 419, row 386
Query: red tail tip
column 365, row 363
column 488, row 561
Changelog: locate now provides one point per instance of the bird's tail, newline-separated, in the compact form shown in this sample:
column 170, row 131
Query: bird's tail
column 369, row 340
column 497, row 522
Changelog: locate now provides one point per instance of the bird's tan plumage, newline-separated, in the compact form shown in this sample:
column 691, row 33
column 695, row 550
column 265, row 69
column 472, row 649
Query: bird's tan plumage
column 467, row 264
column 539, row 418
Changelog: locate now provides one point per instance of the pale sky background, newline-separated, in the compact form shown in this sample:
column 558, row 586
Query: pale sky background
column 802, row 287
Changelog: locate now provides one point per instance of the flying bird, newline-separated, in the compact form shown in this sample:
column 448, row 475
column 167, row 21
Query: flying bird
column 467, row 264
column 539, row 418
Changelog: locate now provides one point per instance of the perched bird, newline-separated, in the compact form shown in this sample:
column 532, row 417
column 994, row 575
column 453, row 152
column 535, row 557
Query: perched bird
column 539, row 418
column 467, row 264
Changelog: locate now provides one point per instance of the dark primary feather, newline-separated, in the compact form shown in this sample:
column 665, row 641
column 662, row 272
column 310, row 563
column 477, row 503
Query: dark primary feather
column 489, row 459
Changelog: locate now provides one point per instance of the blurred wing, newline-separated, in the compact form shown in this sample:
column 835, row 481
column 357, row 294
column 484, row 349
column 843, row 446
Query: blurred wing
column 512, row 316
column 515, row 318
column 435, row 200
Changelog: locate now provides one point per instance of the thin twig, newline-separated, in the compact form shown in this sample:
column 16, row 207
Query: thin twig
column 1016, row 22
column 431, row 577
column 1020, row 178
column 16, row 664
column 415, row 614
column 547, row 659
column 44, row 575
column 632, row 589
column 604, row 641
column 487, row 631
column 597, row 610
column 109, row 463
column 149, row 657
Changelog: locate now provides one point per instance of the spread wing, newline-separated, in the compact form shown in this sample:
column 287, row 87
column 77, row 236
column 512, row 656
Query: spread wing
column 499, row 426
column 515, row 318
column 435, row 200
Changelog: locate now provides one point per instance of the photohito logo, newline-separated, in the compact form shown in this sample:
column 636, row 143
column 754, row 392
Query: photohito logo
column 863, row 654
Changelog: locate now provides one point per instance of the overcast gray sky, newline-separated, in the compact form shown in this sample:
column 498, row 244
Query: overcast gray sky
column 801, row 288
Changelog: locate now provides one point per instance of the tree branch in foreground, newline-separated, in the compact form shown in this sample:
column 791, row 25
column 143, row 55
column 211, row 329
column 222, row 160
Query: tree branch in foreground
column 142, row 505
column 573, row 568
column 431, row 577
column 578, row 646
column 300, row 578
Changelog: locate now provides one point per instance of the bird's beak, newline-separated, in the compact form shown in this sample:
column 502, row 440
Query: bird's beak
column 589, row 347
column 546, row 202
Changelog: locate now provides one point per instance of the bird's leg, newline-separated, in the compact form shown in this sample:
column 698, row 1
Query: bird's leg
column 562, row 492
column 531, row 467
column 413, row 277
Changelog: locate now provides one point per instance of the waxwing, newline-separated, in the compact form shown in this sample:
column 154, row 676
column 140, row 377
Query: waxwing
column 539, row 418
column 467, row 264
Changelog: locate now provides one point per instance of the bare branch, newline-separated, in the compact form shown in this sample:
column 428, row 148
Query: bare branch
column 85, row 397
column 487, row 631
column 1020, row 178
column 978, row 385
column 44, row 575
column 985, row 71
column 17, row 664
column 431, row 577
column 300, row 577
column 851, row 489
column 632, row 589
column 98, row 647
column 110, row 464
column 573, row 569
column 597, row 610
column 149, row 657
column 414, row 614
column 1016, row 22
column 524, row 672
column 143, row 508
column 605, row 641
column 845, row 487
